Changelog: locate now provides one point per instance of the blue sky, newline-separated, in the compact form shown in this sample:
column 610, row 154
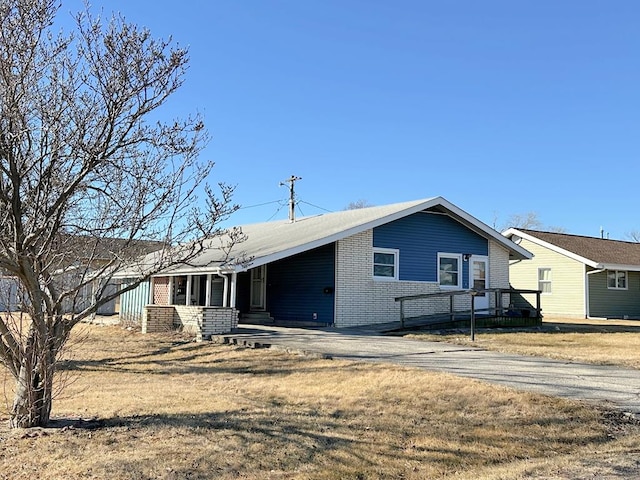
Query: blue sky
column 501, row 107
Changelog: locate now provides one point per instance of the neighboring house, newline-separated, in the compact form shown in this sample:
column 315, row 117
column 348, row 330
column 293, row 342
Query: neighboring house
column 579, row 276
column 90, row 256
column 342, row 269
column 82, row 258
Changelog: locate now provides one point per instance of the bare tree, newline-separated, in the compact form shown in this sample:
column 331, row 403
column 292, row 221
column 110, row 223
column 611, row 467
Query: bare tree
column 633, row 235
column 361, row 203
column 528, row 220
column 84, row 160
column 556, row 229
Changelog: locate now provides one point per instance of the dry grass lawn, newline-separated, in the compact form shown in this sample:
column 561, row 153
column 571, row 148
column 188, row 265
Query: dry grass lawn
column 156, row 407
column 600, row 342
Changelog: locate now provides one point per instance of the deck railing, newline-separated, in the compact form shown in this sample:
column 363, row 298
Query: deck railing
column 497, row 310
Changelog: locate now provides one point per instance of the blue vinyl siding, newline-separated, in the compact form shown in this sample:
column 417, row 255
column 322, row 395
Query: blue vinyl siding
column 132, row 303
column 419, row 238
column 243, row 290
column 296, row 286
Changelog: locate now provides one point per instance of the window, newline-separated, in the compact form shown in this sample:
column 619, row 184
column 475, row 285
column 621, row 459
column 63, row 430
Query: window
column 617, row 279
column 449, row 270
column 544, row 280
column 385, row 263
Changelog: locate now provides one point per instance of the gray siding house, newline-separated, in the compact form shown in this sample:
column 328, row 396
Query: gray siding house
column 579, row 276
column 339, row 269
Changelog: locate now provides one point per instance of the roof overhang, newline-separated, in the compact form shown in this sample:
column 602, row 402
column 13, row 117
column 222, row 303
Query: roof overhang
column 615, row 266
column 511, row 232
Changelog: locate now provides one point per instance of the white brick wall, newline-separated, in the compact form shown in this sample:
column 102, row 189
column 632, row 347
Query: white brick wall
column 219, row 320
column 205, row 321
column 201, row 321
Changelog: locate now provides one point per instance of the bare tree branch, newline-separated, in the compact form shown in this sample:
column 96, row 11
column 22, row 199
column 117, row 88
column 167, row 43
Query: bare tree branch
column 90, row 178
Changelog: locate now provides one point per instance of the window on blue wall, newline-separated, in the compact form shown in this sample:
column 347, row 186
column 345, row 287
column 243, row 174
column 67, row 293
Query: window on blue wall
column 450, row 270
column 385, row 263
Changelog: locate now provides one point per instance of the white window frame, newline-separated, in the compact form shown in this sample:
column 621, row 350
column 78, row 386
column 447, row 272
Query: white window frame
column 550, row 281
column 457, row 256
column 396, row 261
column 626, row 280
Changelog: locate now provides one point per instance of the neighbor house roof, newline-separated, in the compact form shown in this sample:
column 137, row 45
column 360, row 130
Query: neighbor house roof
column 596, row 252
column 271, row 241
column 84, row 247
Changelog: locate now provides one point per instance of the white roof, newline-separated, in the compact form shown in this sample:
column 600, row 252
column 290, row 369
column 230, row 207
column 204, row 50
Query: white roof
column 271, row 241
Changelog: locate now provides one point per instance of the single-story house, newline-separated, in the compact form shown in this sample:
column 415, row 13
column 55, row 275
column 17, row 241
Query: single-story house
column 579, row 276
column 341, row 269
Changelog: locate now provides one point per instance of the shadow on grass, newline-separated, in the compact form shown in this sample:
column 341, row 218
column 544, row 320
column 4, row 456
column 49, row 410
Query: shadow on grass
column 560, row 327
column 545, row 328
column 292, row 437
column 198, row 358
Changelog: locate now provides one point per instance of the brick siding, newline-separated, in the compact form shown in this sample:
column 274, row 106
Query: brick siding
column 157, row 319
column 203, row 322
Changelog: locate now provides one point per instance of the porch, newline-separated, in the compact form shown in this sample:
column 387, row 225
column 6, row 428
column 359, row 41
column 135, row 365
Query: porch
column 202, row 305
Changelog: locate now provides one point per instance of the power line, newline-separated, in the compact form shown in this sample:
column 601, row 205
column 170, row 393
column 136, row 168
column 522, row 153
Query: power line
column 282, row 204
column 315, row 206
column 260, row 204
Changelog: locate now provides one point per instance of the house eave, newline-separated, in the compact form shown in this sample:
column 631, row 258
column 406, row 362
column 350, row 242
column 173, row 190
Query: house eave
column 514, row 231
column 618, row 266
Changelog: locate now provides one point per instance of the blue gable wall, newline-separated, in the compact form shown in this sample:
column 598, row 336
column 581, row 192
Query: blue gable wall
column 299, row 286
column 420, row 237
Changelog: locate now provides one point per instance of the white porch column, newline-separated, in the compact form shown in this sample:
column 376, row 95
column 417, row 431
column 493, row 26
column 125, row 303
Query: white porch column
column 234, row 281
column 207, row 295
column 188, row 296
column 152, row 286
column 225, row 291
column 170, row 300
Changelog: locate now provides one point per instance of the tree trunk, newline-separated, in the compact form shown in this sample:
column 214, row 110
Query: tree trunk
column 34, row 386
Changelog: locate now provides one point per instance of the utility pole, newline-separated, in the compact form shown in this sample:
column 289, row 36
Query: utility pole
column 292, row 197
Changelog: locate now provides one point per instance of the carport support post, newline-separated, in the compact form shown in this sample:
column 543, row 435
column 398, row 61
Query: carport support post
column 473, row 317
